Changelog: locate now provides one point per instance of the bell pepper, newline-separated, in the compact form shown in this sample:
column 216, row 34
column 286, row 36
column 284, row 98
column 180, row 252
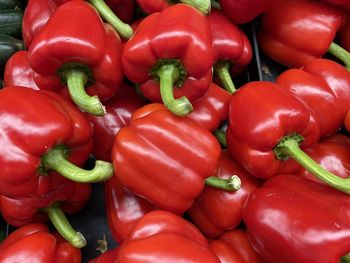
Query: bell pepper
column 212, row 109
column 344, row 33
column 269, row 127
column 347, row 121
column 35, row 144
column 54, row 197
column 332, row 153
column 232, row 50
column 78, row 57
column 214, row 211
column 234, row 246
column 38, row 12
column 292, row 33
column 161, row 236
column 345, row 4
column 294, row 219
column 244, row 11
column 172, row 154
column 107, row 257
column 123, row 209
column 169, row 50
column 124, row 9
column 34, row 243
column 118, row 114
column 152, row 6
column 325, row 86
column 18, row 71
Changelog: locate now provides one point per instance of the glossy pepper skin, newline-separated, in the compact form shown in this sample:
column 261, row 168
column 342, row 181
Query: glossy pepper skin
column 244, row 11
column 152, row 6
column 260, row 115
column 123, row 209
column 234, row 247
column 214, row 211
column 161, row 236
column 324, row 85
column 35, row 144
column 60, row 53
column 333, row 153
column 179, row 155
column 178, row 51
column 118, row 114
column 212, row 109
column 289, row 30
column 294, row 219
column 18, row 71
column 58, row 196
column 34, row 243
column 232, row 49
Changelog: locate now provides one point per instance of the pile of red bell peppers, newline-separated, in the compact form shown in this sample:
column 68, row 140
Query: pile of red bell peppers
column 196, row 164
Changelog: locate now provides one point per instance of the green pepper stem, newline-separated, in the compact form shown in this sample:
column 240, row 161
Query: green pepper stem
column 345, row 259
column 204, row 6
column 56, row 160
column 340, row 53
column 289, row 147
column 231, row 184
column 124, row 30
column 222, row 68
column 76, row 80
column 62, row 225
column 168, row 74
column 221, row 136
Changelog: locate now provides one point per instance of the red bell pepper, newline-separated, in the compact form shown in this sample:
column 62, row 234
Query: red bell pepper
column 214, row 211
column 18, row 71
column 174, row 155
column 293, row 219
column 332, row 153
column 107, row 257
column 212, row 109
column 268, row 127
column 123, row 209
column 42, row 132
column 344, row 33
column 152, row 6
column 244, row 11
column 34, row 243
column 118, row 114
column 325, row 86
column 38, row 12
column 345, row 4
column 234, row 246
column 347, row 121
column 169, row 50
column 55, row 196
column 162, row 236
column 78, row 57
column 231, row 48
column 292, row 33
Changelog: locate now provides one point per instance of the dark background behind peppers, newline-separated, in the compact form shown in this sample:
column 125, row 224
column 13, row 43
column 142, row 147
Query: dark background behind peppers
column 92, row 220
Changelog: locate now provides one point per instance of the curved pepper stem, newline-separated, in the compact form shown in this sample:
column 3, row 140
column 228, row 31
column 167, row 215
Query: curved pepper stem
column 222, row 68
column 204, row 6
column 168, row 74
column 289, row 147
column 345, row 259
column 231, row 184
column 62, row 225
column 56, row 160
column 124, row 30
column 76, row 80
column 340, row 53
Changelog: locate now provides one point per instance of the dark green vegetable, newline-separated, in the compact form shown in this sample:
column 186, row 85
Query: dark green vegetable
column 8, row 46
column 10, row 4
column 11, row 22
